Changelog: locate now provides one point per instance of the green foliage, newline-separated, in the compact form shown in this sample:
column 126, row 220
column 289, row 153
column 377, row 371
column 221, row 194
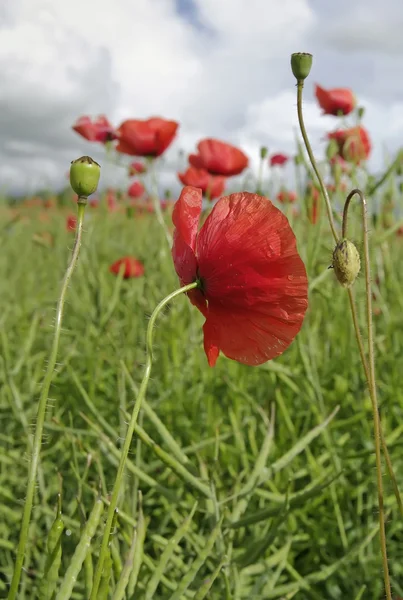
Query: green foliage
column 286, row 503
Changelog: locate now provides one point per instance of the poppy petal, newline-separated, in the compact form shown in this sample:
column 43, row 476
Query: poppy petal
column 253, row 279
column 186, row 214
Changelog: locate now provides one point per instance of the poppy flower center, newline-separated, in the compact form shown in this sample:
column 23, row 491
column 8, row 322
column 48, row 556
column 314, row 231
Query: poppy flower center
column 200, row 283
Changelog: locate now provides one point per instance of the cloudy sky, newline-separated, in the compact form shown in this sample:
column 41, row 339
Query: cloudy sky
column 220, row 67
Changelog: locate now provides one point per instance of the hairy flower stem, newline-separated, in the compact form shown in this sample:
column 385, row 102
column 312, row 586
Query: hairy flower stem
column 157, row 203
column 370, row 372
column 129, row 434
column 43, row 399
column 300, row 87
column 370, row 368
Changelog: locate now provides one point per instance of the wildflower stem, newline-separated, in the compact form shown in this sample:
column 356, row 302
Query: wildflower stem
column 40, row 418
column 398, row 160
column 157, row 203
column 300, row 87
column 370, row 372
column 365, row 366
column 129, row 434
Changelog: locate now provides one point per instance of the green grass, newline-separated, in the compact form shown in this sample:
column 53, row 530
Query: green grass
column 298, row 509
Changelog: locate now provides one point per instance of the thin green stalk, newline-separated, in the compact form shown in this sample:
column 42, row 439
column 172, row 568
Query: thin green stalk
column 81, row 552
column 300, row 87
column 156, row 202
column 129, row 434
column 40, row 418
column 398, row 160
column 370, row 371
column 371, row 378
column 365, row 365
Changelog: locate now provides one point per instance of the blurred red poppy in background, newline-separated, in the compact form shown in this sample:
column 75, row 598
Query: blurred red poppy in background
column 212, row 186
column 130, row 265
column 97, row 130
column 71, row 223
column 219, row 158
column 278, row 159
column 112, row 201
column 252, row 282
column 336, row 101
column 137, row 168
column 354, row 143
column 149, row 137
column 136, row 190
column 286, row 197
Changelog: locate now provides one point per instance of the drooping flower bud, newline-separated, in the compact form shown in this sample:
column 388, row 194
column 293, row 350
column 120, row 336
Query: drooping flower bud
column 84, row 176
column 346, row 262
column 301, row 63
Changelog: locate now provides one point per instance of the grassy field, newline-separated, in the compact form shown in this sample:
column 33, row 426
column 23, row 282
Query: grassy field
column 260, row 451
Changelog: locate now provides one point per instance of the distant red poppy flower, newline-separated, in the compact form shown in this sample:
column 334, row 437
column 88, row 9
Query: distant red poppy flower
column 130, row 265
column 212, row 186
column 97, row 130
column 399, row 232
column 146, row 138
column 286, row 197
column 136, row 190
column 112, row 201
column 313, row 203
column 354, row 143
column 278, row 159
column 252, row 282
column 336, row 101
column 71, row 223
column 136, row 168
column 219, row 158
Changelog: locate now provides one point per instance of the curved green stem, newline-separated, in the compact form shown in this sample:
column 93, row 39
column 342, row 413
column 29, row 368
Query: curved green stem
column 40, row 418
column 157, row 203
column 371, row 379
column 129, row 434
column 300, row 87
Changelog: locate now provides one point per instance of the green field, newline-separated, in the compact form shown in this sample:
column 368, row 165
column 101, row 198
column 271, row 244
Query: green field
column 294, row 496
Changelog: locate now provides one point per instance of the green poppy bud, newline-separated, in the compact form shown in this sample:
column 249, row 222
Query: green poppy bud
column 301, row 63
column 263, row 152
column 360, row 112
column 346, row 262
column 84, row 176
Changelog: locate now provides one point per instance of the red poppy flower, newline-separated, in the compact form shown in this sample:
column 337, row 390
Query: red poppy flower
column 286, row 197
column 99, row 130
column 212, row 186
column 130, row 265
column 112, row 201
column 354, row 143
column 337, row 101
column 278, row 159
column 71, row 223
column 146, row 138
column 136, row 190
column 136, row 168
column 219, row 158
column 252, row 282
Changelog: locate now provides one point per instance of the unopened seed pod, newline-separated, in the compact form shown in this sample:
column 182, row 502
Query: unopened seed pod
column 84, row 176
column 301, row 63
column 346, row 262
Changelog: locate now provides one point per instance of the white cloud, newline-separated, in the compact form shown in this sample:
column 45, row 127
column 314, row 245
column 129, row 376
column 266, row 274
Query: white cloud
column 229, row 78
